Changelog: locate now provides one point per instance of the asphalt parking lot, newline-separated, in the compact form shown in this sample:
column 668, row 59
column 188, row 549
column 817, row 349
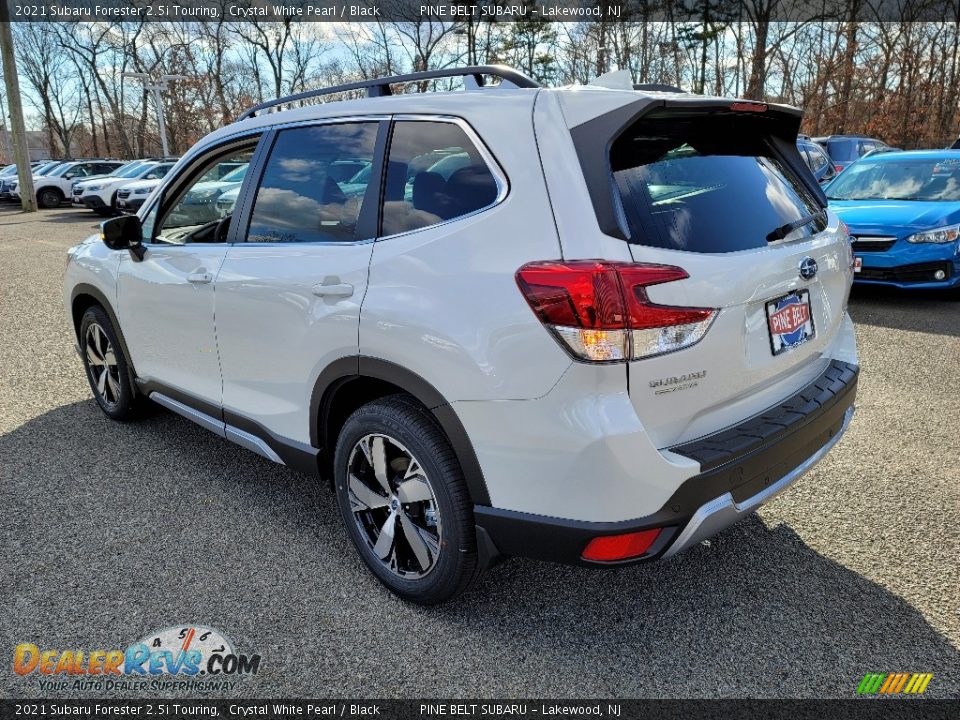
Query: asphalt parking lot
column 110, row 531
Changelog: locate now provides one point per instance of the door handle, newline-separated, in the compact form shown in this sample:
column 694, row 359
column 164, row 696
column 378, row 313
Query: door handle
column 200, row 278
column 342, row 290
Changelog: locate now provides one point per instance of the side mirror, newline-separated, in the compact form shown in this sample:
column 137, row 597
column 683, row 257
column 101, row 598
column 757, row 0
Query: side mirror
column 123, row 233
column 69, row 176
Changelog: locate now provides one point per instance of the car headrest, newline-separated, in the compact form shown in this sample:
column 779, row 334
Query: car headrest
column 332, row 192
column 471, row 188
column 427, row 186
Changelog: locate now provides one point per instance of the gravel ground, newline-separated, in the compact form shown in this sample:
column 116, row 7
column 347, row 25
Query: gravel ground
column 110, row 531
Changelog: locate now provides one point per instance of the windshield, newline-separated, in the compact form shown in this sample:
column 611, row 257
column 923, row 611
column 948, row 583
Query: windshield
column 126, row 171
column 235, row 175
column 363, row 176
column 60, row 170
column 684, row 185
column 44, row 169
column 158, row 172
column 926, row 179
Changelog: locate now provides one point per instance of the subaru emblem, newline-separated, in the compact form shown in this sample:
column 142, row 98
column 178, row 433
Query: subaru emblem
column 808, row 268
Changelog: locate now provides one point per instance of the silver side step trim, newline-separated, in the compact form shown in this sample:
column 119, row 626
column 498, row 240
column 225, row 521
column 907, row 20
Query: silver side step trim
column 201, row 419
column 252, row 442
column 721, row 512
column 219, row 427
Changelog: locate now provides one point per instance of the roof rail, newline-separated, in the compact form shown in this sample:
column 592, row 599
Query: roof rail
column 379, row 87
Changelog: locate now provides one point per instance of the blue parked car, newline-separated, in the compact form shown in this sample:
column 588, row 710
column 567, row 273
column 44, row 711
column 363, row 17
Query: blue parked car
column 903, row 211
column 845, row 150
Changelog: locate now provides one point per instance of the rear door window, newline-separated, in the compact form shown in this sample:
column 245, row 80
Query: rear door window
column 691, row 185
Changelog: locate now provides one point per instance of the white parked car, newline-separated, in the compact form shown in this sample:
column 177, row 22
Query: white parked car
column 101, row 194
column 200, row 204
column 598, row 354
column 131, row 195
column 54, row 187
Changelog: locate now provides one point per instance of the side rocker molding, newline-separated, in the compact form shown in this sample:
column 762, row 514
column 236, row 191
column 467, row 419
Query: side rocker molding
column 236, row 428
column 355, row 369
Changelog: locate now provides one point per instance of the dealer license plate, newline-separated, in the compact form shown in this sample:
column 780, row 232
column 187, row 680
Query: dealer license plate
column 790, row 321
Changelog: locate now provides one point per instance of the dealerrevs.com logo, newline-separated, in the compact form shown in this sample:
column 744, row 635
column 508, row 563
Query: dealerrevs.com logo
column 189, row 657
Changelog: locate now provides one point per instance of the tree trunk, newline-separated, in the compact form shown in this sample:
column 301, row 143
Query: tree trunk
column 758, row 62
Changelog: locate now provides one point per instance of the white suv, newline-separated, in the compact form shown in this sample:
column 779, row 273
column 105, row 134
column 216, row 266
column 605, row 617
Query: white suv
column 100, row 194
column 54, row 187
column 618, row 326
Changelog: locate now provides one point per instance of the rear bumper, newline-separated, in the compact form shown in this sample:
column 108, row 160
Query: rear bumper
column 740, row 469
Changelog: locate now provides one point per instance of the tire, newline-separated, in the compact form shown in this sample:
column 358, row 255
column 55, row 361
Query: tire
column 49, row 198
column 110, row 382
column 416, row 456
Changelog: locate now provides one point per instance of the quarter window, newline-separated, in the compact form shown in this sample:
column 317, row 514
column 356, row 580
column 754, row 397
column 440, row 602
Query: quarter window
column 435, row 173
column 314, row 184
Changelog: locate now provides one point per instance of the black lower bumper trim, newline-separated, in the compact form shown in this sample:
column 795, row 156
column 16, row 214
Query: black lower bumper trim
column 919, row 272
column 129, row 205
column 741, row 460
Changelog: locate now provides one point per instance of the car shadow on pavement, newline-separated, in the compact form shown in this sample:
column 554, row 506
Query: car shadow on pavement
column 113, row 529
column 926, row 311
column 71, row 216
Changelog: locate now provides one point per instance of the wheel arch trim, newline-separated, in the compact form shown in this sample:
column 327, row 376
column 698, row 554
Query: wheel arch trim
column 101, row 300
column 344, row 370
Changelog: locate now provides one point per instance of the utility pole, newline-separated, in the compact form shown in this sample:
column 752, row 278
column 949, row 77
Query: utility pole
column 156, row 88
column 7, row 137
column 21, row 153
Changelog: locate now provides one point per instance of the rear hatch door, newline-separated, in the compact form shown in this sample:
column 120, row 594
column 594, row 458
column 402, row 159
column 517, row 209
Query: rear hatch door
column 720, row 191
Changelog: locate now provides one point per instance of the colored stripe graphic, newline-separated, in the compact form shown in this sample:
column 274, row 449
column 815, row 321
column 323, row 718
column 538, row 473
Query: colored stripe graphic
column 922, row 684
column 894, row 683
column 885, row 688
column 871, row 683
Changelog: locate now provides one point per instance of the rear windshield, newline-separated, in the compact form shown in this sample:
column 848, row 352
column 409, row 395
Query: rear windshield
column 689, row 185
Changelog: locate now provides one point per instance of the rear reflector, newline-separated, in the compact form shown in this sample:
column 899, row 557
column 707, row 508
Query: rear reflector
column 838, row 168
column 600, row 310
column 620, row 547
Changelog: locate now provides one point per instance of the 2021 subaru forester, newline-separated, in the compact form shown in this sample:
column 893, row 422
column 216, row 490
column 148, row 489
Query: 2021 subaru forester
column 585, row 324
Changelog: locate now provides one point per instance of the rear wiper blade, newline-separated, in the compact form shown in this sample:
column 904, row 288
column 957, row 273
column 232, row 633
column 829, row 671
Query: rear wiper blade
column 781, row 232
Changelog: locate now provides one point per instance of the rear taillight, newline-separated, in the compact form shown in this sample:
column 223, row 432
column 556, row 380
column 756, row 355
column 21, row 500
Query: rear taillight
column 600, row 310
